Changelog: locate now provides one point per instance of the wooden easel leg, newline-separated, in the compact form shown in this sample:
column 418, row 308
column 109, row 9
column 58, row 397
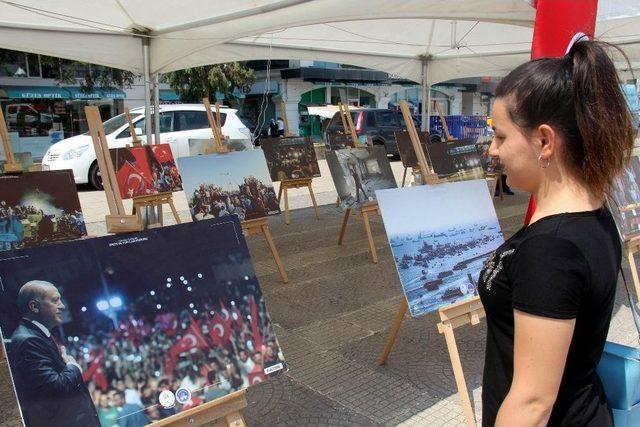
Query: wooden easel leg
column 404, row 177
column 458, row 373
column 174, row 211
column 274, row 252
column 634, row 271
column 501, row 187
column 394, row 332
column 235, row 420
column 280, row 192
column 372, row 244
column 287, row 216
column 345, row 221
column 338, row 202
column 313, row 200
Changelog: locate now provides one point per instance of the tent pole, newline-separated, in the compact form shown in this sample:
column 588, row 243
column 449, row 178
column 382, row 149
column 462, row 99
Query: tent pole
column 156, row 107
column 147, row 87
column 426, row 98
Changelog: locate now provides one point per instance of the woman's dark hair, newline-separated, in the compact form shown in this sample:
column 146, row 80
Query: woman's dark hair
column 580, row 96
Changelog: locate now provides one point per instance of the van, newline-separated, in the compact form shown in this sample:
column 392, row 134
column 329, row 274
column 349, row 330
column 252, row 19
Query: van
column 178, row 124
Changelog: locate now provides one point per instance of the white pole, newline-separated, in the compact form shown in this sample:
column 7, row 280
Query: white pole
column 156, row 107
column 147, row 87
column 426, row 91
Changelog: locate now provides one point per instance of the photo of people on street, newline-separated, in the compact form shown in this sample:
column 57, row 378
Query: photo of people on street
column 290, row 158
column 235, row 183
column 37, row 208
column 145, row 170
column 358, row 172
column 96, row 329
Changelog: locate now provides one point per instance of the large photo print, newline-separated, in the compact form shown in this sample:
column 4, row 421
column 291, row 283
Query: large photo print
column 96, row 329
column 456, row 160
column 37, row 208
column 358, row 172
column 290, row 158
column 236, row 183
column 145, row 170
column 440, row 236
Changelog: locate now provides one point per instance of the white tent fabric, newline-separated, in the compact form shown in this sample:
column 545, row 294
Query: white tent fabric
column 460, row 37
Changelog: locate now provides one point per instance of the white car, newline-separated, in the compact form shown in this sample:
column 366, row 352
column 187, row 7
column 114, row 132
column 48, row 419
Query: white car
column 178, row 124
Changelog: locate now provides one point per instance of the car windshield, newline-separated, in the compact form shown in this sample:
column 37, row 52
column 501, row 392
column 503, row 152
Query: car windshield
column 115, row 123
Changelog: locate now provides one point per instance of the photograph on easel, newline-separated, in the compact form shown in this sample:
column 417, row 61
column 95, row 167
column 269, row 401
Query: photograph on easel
column 456, row 160
column 145, row 170
column 440, row 236
column 200, row 146
column 37, row 208
column 405, row 147
column 624, row 200
column 236, row 183
column 290, row 158
column 358, row 172
column 171, row 308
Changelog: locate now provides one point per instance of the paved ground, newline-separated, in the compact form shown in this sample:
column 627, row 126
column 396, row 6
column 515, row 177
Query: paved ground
column 332, row 320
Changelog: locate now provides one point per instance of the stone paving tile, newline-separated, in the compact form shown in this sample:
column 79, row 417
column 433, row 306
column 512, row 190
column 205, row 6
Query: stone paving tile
column 9, row 413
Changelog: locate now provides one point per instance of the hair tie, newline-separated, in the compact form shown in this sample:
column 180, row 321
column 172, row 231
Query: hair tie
column 578, row 37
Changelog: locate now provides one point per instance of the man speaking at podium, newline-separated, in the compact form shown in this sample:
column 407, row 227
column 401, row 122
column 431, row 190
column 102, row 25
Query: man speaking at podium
column 48, row 381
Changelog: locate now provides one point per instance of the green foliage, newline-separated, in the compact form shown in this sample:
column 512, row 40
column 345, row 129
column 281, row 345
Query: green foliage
column 194, row 84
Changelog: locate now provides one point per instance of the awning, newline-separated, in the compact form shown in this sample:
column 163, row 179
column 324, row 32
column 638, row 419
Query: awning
column 36, row 92
column 112, row 93
column 77, row 93
column 168, row 95
column 327, row 111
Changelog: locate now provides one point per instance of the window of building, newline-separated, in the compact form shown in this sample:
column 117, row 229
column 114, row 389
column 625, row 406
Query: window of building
column 14, row 64
column 33, row 65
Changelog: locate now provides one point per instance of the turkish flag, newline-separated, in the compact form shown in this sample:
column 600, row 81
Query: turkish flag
column 219, row 331
column 557, row 22
column 256, row 376
column 255, row 324
column 131, row 181
column 162, row 153
column 96, row 371
column 192, row 339
column 237, row 317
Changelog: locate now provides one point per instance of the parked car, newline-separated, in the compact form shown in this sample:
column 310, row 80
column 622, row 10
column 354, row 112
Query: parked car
column 372, row 124
column 178, row 124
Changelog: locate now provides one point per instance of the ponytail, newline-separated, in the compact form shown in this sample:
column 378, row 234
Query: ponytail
column 580, row 96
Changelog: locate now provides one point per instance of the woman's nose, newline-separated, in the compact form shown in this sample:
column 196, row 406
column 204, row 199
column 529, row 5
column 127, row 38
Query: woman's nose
column 493, row 148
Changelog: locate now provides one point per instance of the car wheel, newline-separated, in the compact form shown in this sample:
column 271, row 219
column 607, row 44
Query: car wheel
column 95, row 180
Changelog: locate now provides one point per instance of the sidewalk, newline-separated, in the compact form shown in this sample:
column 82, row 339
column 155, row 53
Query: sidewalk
column 332, row 320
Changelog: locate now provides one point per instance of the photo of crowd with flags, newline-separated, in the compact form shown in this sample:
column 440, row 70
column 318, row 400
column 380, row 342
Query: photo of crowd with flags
column 172, row 308
column 235, row 183
column 39, row 208
column 290, row 158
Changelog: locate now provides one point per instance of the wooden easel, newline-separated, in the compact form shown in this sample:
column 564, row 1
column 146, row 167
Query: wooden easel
column 261, row 226
column 249, row 227
column 445, row 127
column 632, row 247
column 366, row 210
column 347, row 124
column 224, row 411
column 135, row 141
column 285, row 119
column 10, row 165
column 452, row 316
column 286, row 185
column 118, row 221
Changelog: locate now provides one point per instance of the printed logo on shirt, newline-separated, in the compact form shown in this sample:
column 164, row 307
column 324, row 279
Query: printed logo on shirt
column 492, row 267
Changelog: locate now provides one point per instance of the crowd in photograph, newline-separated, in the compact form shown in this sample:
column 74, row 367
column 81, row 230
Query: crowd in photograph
column 27, row 225
column 292, row 162
column 165, row 177
column 211, row 348
column 252, row 200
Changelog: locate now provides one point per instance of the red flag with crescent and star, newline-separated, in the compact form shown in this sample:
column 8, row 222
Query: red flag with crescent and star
column 556, row 24
column 192, row 338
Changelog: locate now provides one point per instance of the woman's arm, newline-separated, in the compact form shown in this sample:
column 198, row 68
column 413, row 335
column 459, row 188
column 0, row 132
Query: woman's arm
column 540, row 352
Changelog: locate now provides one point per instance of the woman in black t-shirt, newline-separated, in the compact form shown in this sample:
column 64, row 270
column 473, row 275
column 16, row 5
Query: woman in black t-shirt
column 563, row 132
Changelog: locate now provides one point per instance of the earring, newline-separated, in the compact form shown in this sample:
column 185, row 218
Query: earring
column 540, row 160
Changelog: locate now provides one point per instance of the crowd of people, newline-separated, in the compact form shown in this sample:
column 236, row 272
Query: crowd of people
column 213, row 349
column 26, row 225
column 253, row 199
column 291, row 161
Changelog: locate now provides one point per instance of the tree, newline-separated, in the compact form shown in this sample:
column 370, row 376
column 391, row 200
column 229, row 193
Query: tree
column 64, row 71
column 194, row 84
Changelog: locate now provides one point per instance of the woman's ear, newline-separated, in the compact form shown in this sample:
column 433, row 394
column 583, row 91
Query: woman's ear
column 548, row 139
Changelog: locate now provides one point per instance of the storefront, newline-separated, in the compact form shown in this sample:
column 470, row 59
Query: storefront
column 38, row 116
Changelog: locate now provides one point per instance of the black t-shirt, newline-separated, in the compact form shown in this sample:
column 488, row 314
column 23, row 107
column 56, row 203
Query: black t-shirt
column 563, row 266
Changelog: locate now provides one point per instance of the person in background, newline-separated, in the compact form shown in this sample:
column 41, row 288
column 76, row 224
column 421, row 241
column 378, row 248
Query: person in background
column 280, row 126
column 273, row 129
column 549, row 290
